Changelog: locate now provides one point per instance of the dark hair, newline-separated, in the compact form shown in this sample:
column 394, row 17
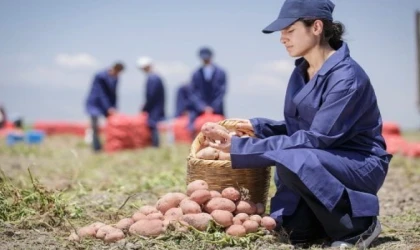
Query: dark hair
column 333, row 31
column 118, row 66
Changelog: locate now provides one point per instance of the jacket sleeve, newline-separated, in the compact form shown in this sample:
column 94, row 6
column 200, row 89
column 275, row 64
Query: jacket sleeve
column 331, row 126
column 115, row 103
column 196, row 98
column 152, row 88
column 220, row 91
column 264, row 127
column 102, row 90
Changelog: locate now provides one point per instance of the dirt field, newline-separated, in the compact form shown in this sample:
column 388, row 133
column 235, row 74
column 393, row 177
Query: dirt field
column 77, row 188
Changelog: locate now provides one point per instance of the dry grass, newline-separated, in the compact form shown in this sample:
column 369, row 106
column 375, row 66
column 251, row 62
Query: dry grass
column 49, row 190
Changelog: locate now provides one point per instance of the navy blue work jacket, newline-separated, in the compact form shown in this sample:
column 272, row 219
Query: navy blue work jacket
column 330, row 138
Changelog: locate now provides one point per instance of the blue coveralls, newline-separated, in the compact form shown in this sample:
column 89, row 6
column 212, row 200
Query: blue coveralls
column 102, row 96
column 154, row 105
column 207, row 93
column 329, row 153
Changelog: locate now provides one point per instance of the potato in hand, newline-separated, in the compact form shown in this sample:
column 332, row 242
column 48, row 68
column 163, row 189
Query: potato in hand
column 214, row 132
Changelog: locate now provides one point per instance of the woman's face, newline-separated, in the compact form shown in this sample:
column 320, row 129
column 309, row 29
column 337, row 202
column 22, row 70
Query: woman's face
column 299, row 39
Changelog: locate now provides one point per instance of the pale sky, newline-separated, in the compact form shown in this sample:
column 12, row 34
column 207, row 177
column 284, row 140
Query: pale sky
column 51, row 49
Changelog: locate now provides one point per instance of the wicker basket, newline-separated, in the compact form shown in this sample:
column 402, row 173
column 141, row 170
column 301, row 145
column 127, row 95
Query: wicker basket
column 219, row 173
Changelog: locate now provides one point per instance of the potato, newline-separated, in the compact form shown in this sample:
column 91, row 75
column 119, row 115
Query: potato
column 173, row 214
column 124, row 224
column 180, row 196
column 213, row 130
column 200, row 196
column 223, row 156
column 147, row 228
column 138, row 216
column 247, row 207
column 260, row 208
column 222, row 217
column 97, row 225
column 219, row 204
column 215, row 194
column 148, row 210
column 198, row 221
column 114, row 236
column 268, row 222
column 236, row 230
column 196, row 185
column 189, row 207
column 155, row 216
column 231, row 194
column 255, row 217
column 236, row 221
column 250, row 226
column 242, row 217
column 168, row 201
column 103, row 231
column 208, row 153
column 74, row 237
column 87, row 231
column 203, row 142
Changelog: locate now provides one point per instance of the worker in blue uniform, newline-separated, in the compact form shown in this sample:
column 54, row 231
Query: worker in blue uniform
column 102, row 99
column 154, row 104
column 208, row 87
column 329, row 154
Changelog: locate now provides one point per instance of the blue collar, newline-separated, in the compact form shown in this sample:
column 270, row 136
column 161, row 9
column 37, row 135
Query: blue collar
column 333, row 60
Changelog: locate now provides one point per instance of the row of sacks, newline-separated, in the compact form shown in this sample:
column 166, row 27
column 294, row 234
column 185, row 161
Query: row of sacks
column 123, row 131
column 396, row 144
column 61, row 127
column 128, row 132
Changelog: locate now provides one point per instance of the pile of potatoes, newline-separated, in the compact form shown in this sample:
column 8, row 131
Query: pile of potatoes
column 214, row 130
column 195, row 209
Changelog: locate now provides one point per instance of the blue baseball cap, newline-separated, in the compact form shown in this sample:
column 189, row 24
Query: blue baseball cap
column 293, row 10
column 205, row 53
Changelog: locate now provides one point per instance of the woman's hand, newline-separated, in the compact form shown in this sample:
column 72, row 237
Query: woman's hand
column 214, row 132
column 217, row 136
column 224, row 144
column 243, row 126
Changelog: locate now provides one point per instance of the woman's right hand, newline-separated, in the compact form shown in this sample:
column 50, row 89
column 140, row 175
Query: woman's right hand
column 243, row 126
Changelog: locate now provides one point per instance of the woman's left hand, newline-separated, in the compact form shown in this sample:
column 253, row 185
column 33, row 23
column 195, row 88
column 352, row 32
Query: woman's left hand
column 224, row 144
